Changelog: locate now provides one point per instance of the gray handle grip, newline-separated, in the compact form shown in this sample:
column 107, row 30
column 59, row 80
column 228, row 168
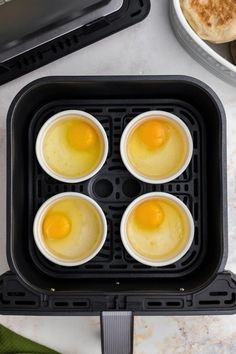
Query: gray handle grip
column 117, row 332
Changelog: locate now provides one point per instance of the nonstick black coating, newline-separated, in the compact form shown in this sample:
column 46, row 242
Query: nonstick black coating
column 114, row 102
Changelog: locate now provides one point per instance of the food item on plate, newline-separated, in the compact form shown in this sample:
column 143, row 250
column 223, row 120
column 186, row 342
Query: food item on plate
column 157, row 147
column 233, row 51
column 69, row 229
column 158, row 228
column 212, row 20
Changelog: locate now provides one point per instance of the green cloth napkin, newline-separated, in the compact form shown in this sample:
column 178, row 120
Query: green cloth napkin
column 12, row 343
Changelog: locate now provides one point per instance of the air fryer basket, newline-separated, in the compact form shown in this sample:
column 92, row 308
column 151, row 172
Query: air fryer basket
column 113, row 281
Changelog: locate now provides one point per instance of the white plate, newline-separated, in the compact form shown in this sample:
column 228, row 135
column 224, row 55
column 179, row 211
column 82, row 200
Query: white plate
column 215, row 61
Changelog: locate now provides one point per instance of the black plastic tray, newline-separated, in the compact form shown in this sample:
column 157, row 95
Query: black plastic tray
column 113, row 280
column 131, row 12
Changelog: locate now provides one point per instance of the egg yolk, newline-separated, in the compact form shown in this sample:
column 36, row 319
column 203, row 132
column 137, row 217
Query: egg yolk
column 153, row 133
column 56, row 226
column 81, row 135
column 149, row 215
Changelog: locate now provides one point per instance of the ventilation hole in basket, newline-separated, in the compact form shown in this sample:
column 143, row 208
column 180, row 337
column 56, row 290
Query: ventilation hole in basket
column 116, row 160
column 188, row 116
column 195, row 187
column 3, row 301
column 118, row 257
column 81, row 304
column 118, row 266
column 73, row 187
column 25, row 303
column 95, row 110
column 231, row 301
column 131, row 188
column 154, row 303
column 218, row 293
column 195, row 211
column 185, row 175
column 185, row 199
column 209, row 302
column 15, row 293
column 68, row 42
column 195, row 139
column 61, row 304
column 189, row 259
column 93, row 266
column 54, row 48
column 177, row 187
column 196, row 236
column 162, row 187
column 186, row 187
column 103, row 188
column 117, row 180
column 170, row 188
column 117, row 197
column 173, row 303
column 195, row 164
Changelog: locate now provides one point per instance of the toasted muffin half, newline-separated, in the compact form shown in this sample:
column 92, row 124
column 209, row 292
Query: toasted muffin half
column 212, row 20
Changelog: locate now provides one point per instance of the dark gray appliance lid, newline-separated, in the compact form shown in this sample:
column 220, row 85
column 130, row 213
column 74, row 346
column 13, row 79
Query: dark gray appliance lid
column 25, row 24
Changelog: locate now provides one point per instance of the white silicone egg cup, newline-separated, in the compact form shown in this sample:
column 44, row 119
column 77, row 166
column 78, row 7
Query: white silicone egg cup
column 40, row 140
column 37, row 229
column 129, row 247
column 144, row 117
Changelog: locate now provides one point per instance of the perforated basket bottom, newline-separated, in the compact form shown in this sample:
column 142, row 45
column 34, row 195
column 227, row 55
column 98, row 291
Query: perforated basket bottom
column 114, row 188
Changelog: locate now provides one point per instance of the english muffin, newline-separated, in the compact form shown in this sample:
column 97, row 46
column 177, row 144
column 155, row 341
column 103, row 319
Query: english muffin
column 212, row 20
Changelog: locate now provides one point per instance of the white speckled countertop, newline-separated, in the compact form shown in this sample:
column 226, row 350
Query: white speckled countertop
column 147, row 48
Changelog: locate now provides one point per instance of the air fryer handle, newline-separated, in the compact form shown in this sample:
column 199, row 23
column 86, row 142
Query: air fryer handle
column 117, row 332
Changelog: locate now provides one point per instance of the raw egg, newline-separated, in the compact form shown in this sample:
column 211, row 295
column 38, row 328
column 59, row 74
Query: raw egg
column 71, row 229
column 156, row 148
column 73, row 146
column 158, row 229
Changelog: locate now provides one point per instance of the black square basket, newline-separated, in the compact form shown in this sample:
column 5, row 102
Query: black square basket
column 113, row 281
